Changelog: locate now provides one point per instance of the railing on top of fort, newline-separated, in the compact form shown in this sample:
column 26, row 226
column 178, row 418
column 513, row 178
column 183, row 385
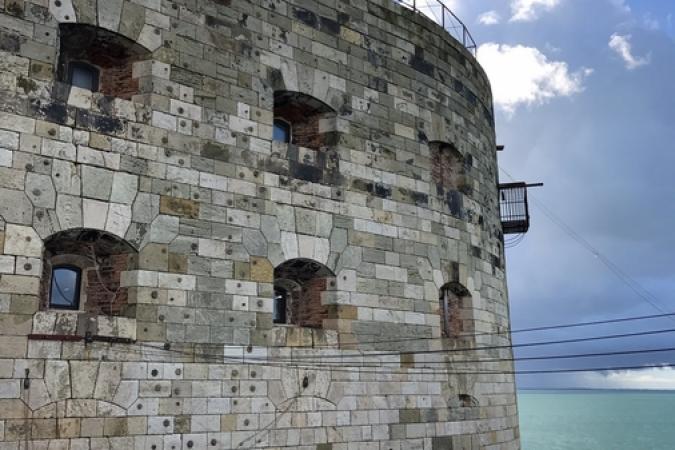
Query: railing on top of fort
column 441, row 14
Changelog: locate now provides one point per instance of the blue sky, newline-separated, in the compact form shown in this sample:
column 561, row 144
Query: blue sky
column 585, row 99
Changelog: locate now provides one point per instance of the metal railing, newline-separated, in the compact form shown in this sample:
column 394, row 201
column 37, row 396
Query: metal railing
column 513, row 207
column 441, row 14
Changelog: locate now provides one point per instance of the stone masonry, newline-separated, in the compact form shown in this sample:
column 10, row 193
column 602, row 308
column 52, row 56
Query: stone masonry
column 165, row 190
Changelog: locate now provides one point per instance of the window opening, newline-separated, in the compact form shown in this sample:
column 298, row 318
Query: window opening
column 65, row 287
column 299, row 285
column 84, row 76
column 282, row 131
column 280, row 305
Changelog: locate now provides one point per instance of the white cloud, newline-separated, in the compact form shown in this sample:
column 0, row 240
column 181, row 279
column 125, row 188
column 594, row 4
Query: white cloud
column 622, row 46
column 652, row 378
column 525, row 76
column 527, row 10
column 489, row 18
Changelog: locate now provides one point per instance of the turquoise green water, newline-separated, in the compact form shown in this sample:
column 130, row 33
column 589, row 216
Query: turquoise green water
column 597, row 420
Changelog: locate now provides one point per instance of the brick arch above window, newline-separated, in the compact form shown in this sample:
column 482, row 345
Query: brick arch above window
column 308, row 150
column 456, row 311
column 99, row 258
column 449, row 175
column 87, row 51
column 299, row 288
column 126, row 18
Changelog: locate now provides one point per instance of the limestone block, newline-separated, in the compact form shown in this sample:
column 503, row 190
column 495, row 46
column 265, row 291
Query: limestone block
column 69, row 211
column 145, row 208
column 187, row 110
column 9, row 388
column 7, row 264
column 289, row 245
column 13, row 346
column 95, row 214
column 6, row 157
column 9, row 140
column 150, row 37
column 80, row 98
column 127, row 394
column 84, row 378
column 119, row 219
column 213, row 181
column 261, row 270
column 270, row 229
column 23, row 241
column 132, row 20
column 179, row 207
column 39, row 395
column 163, row 120
column 124, row 188
column 13, row 122
column 254, row 242
column 62, row 10
column 107, row 381
column 57, row 380
column 109, row 14
column 15, row 207
column 40, row 190
column 65, row 177
column 121, row 327
column 58, row 149
column 133, row 278
column 97, row 183
column 241, row 287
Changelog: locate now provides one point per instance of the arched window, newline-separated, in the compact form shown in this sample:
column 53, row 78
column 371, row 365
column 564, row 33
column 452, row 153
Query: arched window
column 448, row 174
column 309, row 127
column 447, row 167
column 455, row 308
column 82, row 271
column 98, row 60
column 298, row 288
column 303, row 115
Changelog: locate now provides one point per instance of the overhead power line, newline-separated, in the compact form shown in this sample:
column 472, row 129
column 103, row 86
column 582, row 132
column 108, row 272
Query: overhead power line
column 411, row 370
column 625, row 278
column 344, row 358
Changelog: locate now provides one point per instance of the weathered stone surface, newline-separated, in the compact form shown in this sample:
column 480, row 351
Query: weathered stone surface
column 193, row 227
column 179, row 207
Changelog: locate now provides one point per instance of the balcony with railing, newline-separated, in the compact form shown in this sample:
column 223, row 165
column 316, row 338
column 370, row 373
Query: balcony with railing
column 514, row 207
column 441, row 14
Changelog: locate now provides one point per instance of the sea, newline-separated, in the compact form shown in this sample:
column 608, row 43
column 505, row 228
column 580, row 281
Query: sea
column 597, row 420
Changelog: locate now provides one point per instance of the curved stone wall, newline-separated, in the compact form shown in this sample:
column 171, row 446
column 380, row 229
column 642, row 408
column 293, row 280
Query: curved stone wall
column 387, row 188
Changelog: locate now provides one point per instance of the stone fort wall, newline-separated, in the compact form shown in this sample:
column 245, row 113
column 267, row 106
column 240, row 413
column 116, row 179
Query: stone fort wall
column 167, row 191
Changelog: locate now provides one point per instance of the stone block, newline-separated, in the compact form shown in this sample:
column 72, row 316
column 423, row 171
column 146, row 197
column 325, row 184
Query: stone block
column 179, row 207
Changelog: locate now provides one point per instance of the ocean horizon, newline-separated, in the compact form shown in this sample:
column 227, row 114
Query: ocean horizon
column 597, row 419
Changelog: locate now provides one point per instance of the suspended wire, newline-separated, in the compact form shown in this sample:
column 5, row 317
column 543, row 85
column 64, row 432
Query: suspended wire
column 417, row 370
column 345, row 358
column 487, row 333
column 331, row 364
column 629, row 281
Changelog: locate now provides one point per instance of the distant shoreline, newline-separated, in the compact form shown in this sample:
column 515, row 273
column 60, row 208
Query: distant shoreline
column 593, row 390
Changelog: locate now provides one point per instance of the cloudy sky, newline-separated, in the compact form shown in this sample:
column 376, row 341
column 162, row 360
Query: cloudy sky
column 585, row 99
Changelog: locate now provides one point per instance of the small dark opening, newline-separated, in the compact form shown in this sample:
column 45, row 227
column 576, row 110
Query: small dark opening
column 84, row 76
column 65, row 287
column 280, row 305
